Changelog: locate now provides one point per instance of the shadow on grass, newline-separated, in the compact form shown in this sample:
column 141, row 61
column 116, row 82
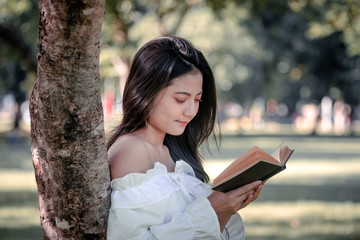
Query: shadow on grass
column 28, row 233
column 355, row 236
column 15, row 156
column 19, row 198
column 325, row 193
column 231, row 153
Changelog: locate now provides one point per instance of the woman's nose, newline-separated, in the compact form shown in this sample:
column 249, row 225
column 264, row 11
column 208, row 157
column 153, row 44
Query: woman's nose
column 191, row 109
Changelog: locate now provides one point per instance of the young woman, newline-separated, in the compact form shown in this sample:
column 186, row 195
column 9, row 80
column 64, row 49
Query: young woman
column 159, row 186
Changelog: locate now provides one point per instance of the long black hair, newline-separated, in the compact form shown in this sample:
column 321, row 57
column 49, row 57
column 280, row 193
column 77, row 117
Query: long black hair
column 154, row 66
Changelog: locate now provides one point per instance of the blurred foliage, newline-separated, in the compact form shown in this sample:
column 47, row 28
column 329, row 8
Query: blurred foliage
column 298, row 65
column 291, row 51
column 18, row 38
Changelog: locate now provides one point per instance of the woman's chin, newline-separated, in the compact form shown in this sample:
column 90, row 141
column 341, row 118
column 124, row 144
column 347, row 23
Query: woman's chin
column 177, row 133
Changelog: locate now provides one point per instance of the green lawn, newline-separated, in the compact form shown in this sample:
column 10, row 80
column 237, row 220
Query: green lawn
column 317, row 197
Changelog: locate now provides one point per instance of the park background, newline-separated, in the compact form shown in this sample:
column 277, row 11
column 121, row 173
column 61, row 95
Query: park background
column 286, row 71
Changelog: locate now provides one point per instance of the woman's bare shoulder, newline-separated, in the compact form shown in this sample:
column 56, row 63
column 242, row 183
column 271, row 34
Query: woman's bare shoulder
column 128, row 154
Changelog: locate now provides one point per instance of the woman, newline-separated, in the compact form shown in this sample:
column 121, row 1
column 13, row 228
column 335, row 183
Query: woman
column 159, row 185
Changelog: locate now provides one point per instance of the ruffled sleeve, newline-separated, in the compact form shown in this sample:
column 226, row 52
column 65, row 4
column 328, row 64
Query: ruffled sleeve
column 234, row 229
column 162, row 205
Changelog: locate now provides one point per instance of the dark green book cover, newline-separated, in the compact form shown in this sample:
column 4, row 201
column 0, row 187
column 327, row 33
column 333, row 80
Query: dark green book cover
column 262, row 170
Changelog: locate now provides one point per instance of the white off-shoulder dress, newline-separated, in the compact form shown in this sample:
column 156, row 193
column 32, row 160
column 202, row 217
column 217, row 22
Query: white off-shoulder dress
column 166, row 205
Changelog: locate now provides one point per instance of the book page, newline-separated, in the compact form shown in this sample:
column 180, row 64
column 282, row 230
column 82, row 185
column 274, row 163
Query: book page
column 277, row 153
column 285, row 154
column 282, row 153
column 242, row 160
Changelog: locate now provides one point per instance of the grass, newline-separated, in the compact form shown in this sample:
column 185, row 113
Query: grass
column 302, row 220
column 317, row 197
column 19, row 207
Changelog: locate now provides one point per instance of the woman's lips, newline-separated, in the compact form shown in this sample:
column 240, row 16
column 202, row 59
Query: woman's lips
column 183, row 123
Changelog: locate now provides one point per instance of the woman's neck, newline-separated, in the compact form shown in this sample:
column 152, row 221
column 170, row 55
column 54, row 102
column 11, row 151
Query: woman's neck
column 157, row 151
column 151, row 135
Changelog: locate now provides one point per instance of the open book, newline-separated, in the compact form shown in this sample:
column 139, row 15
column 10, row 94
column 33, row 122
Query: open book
column 253, row 165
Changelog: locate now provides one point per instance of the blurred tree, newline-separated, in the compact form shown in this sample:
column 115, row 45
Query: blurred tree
column 67, row 130
column 18, row 32
column 128, row 24
column 329, row 17
column 305, row 50
column 284, row 50
column 334, row 30
column 318, row 60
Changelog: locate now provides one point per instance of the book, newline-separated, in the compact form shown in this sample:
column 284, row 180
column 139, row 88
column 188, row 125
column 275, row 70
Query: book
column 253, row 165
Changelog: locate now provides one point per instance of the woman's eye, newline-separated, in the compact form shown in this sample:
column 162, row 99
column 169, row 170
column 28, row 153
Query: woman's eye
column 180, row 100
column 198, row 100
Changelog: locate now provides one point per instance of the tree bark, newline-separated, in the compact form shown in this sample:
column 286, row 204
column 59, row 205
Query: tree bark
column 67, row 130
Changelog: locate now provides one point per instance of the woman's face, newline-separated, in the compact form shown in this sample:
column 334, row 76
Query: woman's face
column 177, row 104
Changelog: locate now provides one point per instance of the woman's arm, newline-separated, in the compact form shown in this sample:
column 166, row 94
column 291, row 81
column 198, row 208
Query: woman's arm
column 227, row 204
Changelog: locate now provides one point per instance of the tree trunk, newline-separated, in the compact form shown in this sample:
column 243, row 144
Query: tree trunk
column 67, row 130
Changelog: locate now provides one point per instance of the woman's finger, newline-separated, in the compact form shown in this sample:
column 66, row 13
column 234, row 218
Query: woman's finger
column 245, row 189
column 247, row 201
column 257, row 191
column 252, row 196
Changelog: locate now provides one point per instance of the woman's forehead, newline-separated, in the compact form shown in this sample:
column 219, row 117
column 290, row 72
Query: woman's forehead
column 192, row 80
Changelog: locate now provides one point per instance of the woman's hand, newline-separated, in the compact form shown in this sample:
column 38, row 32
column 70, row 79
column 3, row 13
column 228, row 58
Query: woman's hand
column 227, row 204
